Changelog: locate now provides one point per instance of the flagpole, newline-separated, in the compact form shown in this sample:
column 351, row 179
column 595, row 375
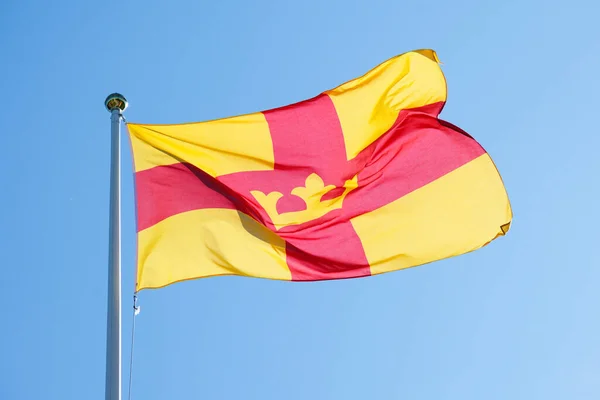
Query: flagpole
column 115, row 104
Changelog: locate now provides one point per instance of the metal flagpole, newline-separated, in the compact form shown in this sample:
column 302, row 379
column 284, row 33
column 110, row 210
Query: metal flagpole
column 116, row 104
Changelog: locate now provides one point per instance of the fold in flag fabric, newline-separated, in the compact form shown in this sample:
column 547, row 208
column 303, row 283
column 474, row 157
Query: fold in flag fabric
column 360, row 180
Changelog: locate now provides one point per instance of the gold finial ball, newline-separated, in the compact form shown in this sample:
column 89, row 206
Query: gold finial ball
column 115, row 101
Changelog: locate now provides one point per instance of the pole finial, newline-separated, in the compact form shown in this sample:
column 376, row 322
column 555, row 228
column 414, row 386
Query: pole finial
column 115, row 101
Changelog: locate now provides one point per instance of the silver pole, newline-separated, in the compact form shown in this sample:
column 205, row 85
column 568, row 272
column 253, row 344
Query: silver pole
column 115, row 103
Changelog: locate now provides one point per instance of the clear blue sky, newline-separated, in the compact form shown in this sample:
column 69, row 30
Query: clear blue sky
column 516, row 320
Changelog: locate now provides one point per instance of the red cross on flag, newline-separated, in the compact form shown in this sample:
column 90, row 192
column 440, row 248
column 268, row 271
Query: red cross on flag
column 360, row 180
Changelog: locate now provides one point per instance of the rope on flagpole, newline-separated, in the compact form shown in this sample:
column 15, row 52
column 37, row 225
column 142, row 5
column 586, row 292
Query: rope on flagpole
column 136, row 311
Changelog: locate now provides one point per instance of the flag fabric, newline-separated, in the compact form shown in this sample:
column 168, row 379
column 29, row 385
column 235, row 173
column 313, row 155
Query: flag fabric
column 360, row 180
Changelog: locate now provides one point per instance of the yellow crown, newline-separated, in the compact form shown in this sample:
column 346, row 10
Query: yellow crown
column 311, row 194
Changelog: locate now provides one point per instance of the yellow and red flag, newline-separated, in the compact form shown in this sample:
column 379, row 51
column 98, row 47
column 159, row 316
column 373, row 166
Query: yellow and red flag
column 359, row 180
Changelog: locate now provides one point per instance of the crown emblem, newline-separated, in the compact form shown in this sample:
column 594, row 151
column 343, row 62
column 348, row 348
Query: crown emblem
column 311, row 193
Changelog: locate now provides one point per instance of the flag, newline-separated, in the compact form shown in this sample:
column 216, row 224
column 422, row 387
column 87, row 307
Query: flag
column 360, row 180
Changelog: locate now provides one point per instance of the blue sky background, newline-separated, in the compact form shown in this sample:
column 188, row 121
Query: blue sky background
column 516, row 320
